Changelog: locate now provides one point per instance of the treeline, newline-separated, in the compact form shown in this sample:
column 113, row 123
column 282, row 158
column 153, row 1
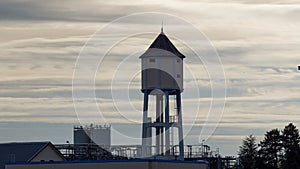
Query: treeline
column 279, row 149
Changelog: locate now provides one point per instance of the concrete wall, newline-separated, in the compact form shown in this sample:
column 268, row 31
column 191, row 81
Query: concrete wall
column 111, row 165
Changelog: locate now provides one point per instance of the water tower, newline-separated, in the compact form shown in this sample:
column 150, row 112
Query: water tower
column 162, row 77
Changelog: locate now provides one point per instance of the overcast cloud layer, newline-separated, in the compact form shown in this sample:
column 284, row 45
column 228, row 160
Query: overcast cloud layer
column 258, row 42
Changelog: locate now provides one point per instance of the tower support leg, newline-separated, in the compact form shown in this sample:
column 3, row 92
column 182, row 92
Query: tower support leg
column 145, row 125
column 159, row 116
column 180, row 130
column 167, row 126
column 161, row 128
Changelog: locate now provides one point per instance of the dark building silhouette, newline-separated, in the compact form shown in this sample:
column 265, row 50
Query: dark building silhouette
column 28, row 152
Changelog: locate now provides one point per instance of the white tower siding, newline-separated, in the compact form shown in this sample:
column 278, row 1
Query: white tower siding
column 162, row 71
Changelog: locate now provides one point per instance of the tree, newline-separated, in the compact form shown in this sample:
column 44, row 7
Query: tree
column 290, row 142
column 270, row 150
column 248, row 153
column 290, row 137
column 278, row 150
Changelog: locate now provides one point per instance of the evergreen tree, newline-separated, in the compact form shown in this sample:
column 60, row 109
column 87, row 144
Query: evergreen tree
column 270, row 150
column 290, row 137
column 248, row 153
column 278, row 150
column 290, row 142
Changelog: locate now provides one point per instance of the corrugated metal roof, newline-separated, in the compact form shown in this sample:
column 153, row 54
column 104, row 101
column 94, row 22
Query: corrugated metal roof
column 20, row 152
column 163, row 42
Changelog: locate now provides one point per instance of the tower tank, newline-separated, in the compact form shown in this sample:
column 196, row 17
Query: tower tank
column 162, row 66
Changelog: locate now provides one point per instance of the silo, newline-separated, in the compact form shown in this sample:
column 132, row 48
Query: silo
column 80, row 135
column 101, row 136
column 98, row 134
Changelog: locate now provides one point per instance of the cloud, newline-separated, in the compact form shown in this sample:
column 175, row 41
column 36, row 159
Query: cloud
column 54, row 10
column 258, row 44
column 70, row 10
column 254, row 2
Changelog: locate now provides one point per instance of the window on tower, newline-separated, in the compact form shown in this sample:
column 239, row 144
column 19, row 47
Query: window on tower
column 178, row 75
column 151, row 60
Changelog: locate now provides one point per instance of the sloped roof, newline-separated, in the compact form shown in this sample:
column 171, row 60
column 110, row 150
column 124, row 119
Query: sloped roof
column 20, row 152
column 164, row 43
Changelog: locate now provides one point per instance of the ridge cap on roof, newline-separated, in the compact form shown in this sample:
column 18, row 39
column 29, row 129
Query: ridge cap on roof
column 33, row 142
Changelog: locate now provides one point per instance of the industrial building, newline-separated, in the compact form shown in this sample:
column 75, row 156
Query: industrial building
column 91, row 142
column 93, row 134
column 28, row 152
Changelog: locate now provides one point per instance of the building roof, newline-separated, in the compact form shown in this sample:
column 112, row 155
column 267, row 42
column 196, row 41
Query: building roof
column 164, row 43
column 21, row 152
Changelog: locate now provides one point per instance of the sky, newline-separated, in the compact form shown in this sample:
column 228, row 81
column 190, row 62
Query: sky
column 257, row 42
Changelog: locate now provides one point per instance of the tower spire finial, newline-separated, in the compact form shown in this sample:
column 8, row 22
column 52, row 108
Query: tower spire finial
column 162, row 26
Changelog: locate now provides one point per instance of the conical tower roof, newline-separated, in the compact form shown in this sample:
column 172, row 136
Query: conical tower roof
column 164, row 43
